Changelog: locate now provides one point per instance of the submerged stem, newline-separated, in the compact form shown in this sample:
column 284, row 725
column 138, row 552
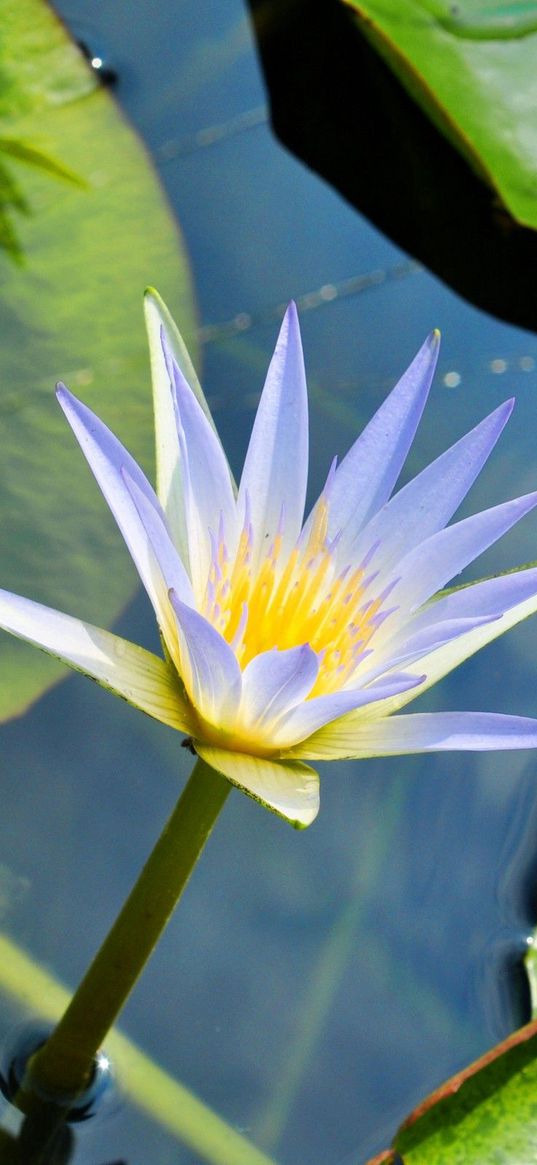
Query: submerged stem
column 63, row 1066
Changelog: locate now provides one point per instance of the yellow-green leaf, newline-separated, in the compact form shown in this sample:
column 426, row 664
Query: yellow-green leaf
column 72, row 312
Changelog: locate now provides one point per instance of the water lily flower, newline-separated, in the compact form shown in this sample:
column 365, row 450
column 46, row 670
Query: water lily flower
column 286, row 642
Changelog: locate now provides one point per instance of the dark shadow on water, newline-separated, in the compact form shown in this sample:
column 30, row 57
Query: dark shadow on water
column 337, row 106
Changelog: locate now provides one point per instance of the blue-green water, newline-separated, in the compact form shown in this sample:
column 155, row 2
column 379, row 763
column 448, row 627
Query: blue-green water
column 313, row 986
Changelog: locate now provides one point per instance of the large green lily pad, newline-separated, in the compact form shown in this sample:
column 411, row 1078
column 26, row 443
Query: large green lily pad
column 486, row 1113
column 71, row 311
column 471, row 66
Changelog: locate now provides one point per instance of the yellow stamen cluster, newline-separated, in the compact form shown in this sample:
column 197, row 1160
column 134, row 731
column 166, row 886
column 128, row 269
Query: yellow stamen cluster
column 287, row 605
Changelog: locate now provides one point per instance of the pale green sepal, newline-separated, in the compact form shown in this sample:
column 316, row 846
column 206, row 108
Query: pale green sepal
column 288, row 788
column 138, row 676
column 168, row 471
column 157, row 315
column 169, row 484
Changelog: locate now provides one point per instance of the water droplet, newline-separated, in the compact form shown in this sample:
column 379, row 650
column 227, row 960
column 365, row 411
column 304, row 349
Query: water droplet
column 98, row 62
column 486, row 19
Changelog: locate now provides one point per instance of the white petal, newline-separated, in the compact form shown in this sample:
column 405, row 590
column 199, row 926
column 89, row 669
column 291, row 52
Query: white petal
column 138, row 676
column 289, row 788
column 367, row 474
column 454, row 614
column 444, row 659
column 167, row 562
column 207, row 484
column 428, row 502
column 411, row 647
column 209, row 668
column 435, row 665
column 108, row 460
column 441, row 557
column 275, row 681
column 308, row 717
column 487, row 596
column 424, row 732
column 275, row 473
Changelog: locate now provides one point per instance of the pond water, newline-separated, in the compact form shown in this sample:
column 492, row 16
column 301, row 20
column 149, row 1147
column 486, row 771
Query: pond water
column 312, row 987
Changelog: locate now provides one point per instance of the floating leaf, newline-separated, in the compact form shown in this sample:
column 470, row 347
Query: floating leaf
column 73, row 312
column 11, row 195
column 486, row 1113
column 471, row 66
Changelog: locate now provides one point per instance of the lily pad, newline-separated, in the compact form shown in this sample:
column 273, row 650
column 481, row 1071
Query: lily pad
column 487, row 1112
column 72, row 312
column 12, row 199
column 471, row 67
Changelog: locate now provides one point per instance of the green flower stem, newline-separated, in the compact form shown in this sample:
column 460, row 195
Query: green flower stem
column 63, row 1066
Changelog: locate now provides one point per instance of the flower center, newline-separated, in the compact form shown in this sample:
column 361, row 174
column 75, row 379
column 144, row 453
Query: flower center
column 286, row 604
